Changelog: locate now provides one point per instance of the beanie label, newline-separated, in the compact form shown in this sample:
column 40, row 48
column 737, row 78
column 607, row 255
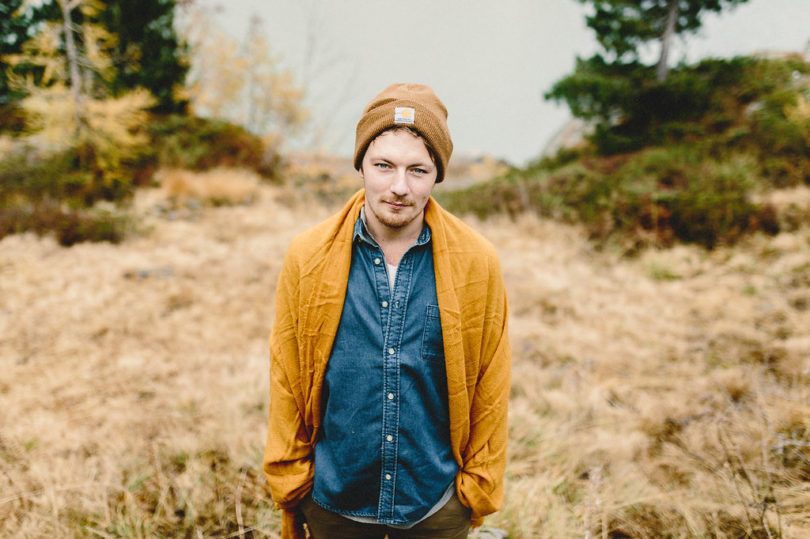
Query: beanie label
column 404, row 115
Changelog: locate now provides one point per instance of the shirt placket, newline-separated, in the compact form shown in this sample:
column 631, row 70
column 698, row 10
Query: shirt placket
column 394, row 327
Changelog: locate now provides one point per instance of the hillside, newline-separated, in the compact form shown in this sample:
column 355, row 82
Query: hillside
column 693, row 159
column 664, row 394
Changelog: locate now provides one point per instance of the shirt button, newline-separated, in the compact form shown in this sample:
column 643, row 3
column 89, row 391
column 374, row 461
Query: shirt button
column 388, row 477
column 390, row 351
column 390, row 396
column 385, row 304
column 377, row 261
column 389, row 438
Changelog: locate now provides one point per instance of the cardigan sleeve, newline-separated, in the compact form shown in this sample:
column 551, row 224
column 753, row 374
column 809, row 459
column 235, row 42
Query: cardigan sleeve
column 480, row 482
column 287, row 460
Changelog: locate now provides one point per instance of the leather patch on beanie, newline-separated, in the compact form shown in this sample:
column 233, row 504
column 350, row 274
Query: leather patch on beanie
column 404, row 115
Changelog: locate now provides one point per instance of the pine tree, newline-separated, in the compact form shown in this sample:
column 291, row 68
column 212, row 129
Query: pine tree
column 147, row 52
column 626, row 101
column 622, row 26
column 14, row 31
column 68, row 105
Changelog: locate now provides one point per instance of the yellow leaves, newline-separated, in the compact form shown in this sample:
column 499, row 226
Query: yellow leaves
column 99, row 43
column 42, row 50
column 799, row 114
column 800, row 111
column 109, row 126
column 50, row 115
column 61, row 116
column 276, row 101
column 46, row 49
column 112, row 126
column 114, row 122
column 89, row 8
column 240, row 82
column 217, row 77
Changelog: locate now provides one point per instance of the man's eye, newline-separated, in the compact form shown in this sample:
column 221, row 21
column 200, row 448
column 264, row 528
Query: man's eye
column 420, row 171
column 382, row 165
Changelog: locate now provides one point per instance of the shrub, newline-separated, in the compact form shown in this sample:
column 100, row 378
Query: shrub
column 29, row 175
column 42, row 191
column 714, row 205
column 654, row 197
column 678, row 160
column 69, row 226
column 201, row 144
column 631, row 110
column 34, row 175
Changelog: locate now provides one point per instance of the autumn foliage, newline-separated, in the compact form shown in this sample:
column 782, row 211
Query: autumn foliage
column 103, row 139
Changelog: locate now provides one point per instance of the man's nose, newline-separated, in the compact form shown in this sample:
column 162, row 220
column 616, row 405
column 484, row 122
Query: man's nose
column 400, row 184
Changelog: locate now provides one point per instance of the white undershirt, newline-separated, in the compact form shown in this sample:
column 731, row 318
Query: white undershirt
column 392, row 276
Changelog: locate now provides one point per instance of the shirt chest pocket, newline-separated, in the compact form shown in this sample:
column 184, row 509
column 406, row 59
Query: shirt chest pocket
column 432, row 342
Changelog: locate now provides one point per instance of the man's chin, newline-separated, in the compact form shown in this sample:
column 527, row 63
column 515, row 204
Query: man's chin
column 397, row 219
column 394, row 222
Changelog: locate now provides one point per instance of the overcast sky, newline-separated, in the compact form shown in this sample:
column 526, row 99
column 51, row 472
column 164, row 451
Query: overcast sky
column 489, row 61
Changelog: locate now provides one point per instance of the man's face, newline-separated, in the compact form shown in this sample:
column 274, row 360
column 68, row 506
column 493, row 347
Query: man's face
column 399, row 176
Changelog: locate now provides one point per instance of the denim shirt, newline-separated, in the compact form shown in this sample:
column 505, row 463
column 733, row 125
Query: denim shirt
column 384, row 450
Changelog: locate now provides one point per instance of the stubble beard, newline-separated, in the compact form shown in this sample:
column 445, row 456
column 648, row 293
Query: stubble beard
column 396, row 220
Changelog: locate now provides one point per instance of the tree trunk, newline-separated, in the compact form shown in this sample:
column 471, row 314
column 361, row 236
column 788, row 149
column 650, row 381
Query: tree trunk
column 72, row 58
column 666, row 38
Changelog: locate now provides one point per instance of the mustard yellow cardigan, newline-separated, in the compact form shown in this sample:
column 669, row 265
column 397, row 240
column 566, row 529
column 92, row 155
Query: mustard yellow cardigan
column 473, row 311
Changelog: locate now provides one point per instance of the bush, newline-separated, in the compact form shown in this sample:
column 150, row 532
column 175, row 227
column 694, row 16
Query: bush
column 30, row 175
column 713, row 205
column 44, row 192
column 716, row 98
column 654, row 197
column 202, row 144
column 49, row 194
column 678, row 160
column 69, row 226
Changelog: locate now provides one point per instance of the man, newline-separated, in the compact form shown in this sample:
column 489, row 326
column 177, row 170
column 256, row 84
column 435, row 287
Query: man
column 390, row 360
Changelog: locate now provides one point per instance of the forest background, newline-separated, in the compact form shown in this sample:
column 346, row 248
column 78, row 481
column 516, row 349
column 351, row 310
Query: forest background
column 657, row 262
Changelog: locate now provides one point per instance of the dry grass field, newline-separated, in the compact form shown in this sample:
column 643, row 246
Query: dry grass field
column 663, row 395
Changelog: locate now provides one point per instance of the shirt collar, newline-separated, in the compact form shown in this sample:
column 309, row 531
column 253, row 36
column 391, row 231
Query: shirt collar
column 362, row 232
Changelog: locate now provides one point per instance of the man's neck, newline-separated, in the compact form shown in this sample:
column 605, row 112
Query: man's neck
column 394, row 242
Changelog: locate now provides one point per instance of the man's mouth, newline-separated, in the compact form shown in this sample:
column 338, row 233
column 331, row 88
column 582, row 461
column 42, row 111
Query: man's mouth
column 396, row 205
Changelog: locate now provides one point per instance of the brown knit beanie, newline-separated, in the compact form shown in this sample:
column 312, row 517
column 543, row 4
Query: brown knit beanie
column 408, row 105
